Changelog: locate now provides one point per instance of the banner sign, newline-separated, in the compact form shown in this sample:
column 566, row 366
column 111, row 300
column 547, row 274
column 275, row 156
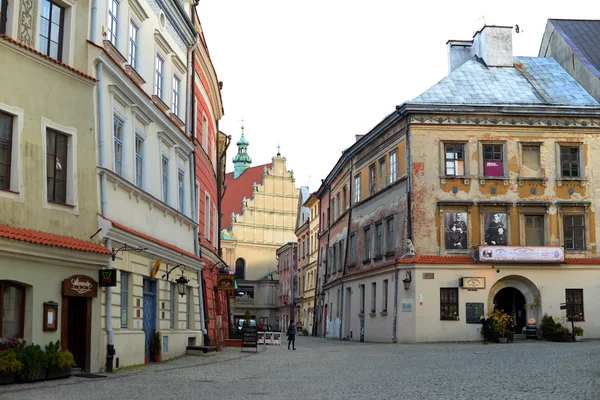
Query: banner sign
column 107, row 277
column 528, row 254
column 225, row 282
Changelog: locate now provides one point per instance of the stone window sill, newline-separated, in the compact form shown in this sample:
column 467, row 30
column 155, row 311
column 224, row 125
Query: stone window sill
column 383, row 313
column 373, row 314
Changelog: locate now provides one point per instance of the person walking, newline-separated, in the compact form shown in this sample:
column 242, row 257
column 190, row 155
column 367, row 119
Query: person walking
column 291, row 335
column 486, row 328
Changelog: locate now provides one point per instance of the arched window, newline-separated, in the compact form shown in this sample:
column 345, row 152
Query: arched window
column 12, row 304
column 240, row 269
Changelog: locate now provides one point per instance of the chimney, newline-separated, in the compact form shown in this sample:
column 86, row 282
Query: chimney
column 493, row 44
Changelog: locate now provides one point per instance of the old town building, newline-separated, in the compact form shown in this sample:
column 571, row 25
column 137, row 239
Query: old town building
column 49, row 255
column 287, row 267
column 309, row 302
column 142, row 58
column 259, row 215
column 477, row 194
column 301, row 278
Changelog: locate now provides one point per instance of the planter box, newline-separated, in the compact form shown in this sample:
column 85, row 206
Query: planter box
column 22, row 378
column 6, row 378
column 57, row 373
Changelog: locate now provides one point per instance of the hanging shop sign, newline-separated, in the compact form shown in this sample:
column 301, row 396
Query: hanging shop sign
column 107, row 277
column 526, row 254
column 472, row 283
column 225, row 282
column 155, row 268
column 80, row 286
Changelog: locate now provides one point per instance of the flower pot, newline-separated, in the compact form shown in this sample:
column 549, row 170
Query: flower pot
column 6, row 378
column 502, row 339
column 58, row 373
column 157, row 357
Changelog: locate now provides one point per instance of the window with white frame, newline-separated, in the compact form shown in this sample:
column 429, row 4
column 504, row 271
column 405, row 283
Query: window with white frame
column 112, row 21
column 372, row 180
column 454, row 159
column 139, row 161
column 180, row 189
column 173, row 300
column 215, row 225
column 356, row 188
column 207, row 217
column 159, row 73
column 118, row 145
column 382, row 173
column 124, row 299
column 6, row 149
column 133, row 44
column 56, row 166
column 176, row 95
column 52, row 26
column 393, row 166
column 205, row 134
column 165, row 178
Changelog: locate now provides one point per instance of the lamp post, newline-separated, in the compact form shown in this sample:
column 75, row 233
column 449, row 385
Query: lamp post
column 406, row 281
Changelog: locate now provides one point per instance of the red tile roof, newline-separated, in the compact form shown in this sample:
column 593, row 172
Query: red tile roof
column 152, row 239
column 49, row 239
column 587, row 261
column 55, row 61
column 239, row 188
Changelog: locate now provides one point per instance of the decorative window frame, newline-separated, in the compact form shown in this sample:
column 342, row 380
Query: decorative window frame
column 526, row 208
column 68, row 50
column 16, row 192
column 540, row 179
column 454, row 207
column 482, row 177
column 72, row 204
column 581, row 179
column 574, row 208
column 136, row 21
column 466, row 178
column 490, row 207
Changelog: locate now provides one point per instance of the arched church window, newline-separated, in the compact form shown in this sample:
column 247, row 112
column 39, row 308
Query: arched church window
column 240, row 269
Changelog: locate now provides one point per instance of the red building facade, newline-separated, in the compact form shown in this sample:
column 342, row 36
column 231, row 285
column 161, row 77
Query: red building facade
column 207, row 111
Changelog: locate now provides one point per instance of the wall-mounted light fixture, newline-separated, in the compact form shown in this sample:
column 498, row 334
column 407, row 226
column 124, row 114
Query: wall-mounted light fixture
column 126, row 248
column 406, row 281
column 181, row 282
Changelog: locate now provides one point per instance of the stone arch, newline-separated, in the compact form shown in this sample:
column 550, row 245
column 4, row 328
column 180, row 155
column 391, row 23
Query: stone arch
column 529, row 290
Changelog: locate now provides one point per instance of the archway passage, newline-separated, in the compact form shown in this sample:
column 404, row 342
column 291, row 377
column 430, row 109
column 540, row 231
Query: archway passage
column 512, row 301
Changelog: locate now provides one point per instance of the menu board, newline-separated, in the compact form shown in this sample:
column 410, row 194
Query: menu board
column 474, row 312
column 250, row 338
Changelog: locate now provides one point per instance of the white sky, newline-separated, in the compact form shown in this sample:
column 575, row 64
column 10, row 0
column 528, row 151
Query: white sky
column 312, row 74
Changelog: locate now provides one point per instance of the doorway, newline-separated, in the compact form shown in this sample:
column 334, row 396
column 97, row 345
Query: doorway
column 325, row 321
column 149, row 321
column 347, row 313
column 77, row 330
column 512, row 301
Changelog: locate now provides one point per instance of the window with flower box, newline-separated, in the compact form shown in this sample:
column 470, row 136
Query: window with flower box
column 449, row 304
column 574, row 299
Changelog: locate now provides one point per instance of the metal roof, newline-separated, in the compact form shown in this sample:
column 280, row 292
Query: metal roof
column 530, row 81
column 583, row 37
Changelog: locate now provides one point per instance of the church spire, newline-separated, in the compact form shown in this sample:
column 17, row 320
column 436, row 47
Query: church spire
column 242, row 160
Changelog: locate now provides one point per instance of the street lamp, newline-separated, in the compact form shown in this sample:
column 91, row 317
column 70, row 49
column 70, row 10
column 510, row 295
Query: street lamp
column 182, row 282
column 406, row 281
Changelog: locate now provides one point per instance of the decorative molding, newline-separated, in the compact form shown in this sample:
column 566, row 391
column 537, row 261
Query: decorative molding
column 178, row 64
column 506, row 121
column 138, row 10
column 113, row 51
column 139, row 113
column 166, row 139
column 27, row 22
column 134, row 75
column 162, row 43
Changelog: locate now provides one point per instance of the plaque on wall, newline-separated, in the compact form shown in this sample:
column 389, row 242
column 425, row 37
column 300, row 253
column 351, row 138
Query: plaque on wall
column 50, row 315
column 428, row 275
column 80, row 286
column 472, row 283
column 474, row 312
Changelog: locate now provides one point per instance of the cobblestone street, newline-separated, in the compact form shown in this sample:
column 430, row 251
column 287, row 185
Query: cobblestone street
column 325, row 369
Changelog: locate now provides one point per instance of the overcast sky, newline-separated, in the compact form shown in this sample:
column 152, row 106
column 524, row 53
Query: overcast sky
column 310, row 75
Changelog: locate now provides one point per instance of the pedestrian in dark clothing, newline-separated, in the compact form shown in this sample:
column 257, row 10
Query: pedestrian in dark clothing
column 486, row 328
column 291, row 335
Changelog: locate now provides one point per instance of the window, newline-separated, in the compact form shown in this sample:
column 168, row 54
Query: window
column 454, row 160
column 378, row 239
column 373, row 297
column 382, row 173
column 372, row 180
column 133, row 44
column 207, row 217
column 393, row 166
column 240, row 269
column 173, row 299
column 569, row 161
column 158, row 76
column 352, row 250
column 362, row 299
column 181, row 189
column 165, row 179
column 534, row 230
column 574, row 304
column 56, row 166
column 3, row 16
column 493, row 160
column 124, row 298
column 574, row 232
column 343, row 204
column 531, row 157
column 176, row 95
column 449, row 303
column 215, row 226
column 12, row 305
column 139, row 161
column 111, row 23
column 391, row 239
column 339, row 205
column 367, row 244
column 188, row 307
column 6, row 138
column 341, row 254
column 384, row 302
column 118, row 142
column 52, row 25
column 205, row 134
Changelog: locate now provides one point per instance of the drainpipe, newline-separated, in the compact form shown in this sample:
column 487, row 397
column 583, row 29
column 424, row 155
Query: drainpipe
column 394, row 338
column 94, row 21
column 110, row 342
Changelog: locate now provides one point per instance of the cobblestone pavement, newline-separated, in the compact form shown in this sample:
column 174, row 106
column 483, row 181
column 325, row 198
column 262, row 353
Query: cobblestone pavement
column 326, row 369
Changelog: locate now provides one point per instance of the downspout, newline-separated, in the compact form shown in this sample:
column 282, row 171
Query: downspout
column 346, row 249
column 94, row 21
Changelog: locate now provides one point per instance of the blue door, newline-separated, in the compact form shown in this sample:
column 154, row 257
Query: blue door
column 149, row 311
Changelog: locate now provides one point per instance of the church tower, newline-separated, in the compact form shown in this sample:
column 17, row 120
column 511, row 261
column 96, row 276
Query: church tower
column 242, row 160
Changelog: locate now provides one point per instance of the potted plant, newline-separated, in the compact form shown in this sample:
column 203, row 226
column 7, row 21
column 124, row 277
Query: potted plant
column 578, row 332
column 9, row 367
column 155, row 345
column 60, row 361
column 34, row 362
column 501, row 323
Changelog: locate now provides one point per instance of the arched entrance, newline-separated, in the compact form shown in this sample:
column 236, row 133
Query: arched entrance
column 515, row 295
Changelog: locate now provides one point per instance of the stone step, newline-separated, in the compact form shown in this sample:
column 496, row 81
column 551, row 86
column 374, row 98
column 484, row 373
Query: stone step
column 200, row 350
column 519, row 336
